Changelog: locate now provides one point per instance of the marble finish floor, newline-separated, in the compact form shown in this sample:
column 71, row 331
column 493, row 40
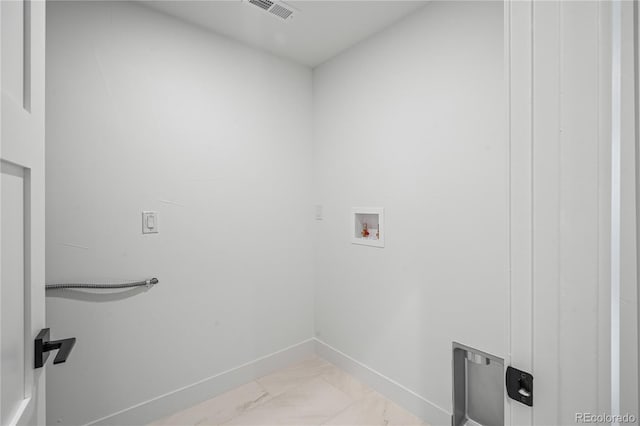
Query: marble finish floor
column 312, row 392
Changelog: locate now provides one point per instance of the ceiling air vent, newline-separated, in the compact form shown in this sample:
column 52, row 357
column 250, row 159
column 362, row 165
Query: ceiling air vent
column 279, row 9
column 263, row 4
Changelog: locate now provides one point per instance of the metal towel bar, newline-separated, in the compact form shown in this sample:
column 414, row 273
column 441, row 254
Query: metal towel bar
column 147, row 283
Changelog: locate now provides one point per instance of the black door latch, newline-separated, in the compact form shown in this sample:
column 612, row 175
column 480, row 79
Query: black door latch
column 43, row 345
column 520, row 386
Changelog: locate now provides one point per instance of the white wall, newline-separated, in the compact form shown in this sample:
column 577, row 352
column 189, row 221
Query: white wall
column 147, row 113
column 413, row 120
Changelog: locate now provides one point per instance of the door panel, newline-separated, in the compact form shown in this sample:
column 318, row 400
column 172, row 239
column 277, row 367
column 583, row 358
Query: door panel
column 22, row 55
column 12, row 342
column 13, row 49
column 559, row 57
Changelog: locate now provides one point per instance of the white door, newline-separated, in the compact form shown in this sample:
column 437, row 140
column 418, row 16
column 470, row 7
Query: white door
column 563, row 63
column 22, row 305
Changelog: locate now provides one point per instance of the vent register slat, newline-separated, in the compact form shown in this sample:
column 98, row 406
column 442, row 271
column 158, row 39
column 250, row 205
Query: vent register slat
column 281, row 10
column 263, row 4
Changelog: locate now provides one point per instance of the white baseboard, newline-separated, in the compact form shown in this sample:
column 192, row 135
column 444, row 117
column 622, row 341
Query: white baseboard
column 401, row 395
column 187, row 396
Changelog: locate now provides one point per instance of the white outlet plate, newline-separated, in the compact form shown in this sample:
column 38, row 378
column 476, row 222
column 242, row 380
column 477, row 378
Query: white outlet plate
column 149, row 222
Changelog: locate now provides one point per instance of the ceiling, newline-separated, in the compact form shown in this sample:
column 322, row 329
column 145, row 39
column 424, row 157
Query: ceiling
column 318, row 30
